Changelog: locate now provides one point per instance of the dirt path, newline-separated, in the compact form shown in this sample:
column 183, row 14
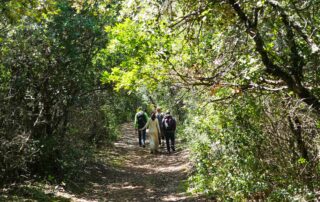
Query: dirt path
column 128, row 172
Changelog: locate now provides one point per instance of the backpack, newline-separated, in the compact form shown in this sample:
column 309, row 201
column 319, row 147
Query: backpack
column 141, row 119
column 169, row 123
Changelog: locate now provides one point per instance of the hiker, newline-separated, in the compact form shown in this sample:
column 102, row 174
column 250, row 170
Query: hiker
column 159, row 116
column 140, row 121
column 153, row 133
column 169, row 127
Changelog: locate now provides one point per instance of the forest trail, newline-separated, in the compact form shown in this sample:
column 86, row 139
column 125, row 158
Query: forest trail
column 127, row 172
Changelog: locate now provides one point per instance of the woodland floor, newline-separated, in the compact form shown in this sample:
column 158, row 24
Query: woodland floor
column 127, row 172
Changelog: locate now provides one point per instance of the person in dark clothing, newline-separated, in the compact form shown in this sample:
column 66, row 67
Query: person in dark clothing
column 160, row 116
column 140, row 121
column 169, row 128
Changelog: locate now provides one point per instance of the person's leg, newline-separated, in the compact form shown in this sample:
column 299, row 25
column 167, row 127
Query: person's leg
column 162, row 137
column 173, row 141
column 144, row 137
column 151, row 143
column 167, row 142
column 140, row 136
column 159, row 138
column 156, row 145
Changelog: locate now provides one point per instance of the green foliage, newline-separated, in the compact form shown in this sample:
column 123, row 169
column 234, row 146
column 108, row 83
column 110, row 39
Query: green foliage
column 226, row 155
column 50, row 84
column 61, row 160
column 242, row 56
column 15, row 11
column 16, row 154
column 242, row 75
column 131, row 57
column 237, row 156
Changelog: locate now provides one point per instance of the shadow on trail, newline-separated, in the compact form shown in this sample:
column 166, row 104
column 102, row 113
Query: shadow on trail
column 127, row 172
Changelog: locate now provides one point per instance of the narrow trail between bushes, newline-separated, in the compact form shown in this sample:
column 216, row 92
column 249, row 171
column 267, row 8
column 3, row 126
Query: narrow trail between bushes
column 127, row 172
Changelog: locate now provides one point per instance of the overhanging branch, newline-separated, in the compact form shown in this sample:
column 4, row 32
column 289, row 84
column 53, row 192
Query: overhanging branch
column 271, row 68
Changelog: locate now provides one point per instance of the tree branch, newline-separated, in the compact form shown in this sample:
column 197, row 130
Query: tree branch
column 272, row 68
column 313, row 46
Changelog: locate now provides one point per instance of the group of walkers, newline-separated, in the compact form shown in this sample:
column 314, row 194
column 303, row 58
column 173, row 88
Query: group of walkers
column 159, row 127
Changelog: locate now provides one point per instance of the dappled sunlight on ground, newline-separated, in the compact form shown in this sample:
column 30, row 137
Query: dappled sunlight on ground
column 127, row 172
column 173, row 198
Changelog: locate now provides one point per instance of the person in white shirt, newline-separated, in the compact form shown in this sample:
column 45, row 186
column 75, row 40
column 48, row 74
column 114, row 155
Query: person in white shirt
column 153, row 133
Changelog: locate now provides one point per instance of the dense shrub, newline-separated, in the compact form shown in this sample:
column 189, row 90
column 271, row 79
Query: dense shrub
column 96, row 121
column 53, row 108
column 15, row 155
column 254, row 149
